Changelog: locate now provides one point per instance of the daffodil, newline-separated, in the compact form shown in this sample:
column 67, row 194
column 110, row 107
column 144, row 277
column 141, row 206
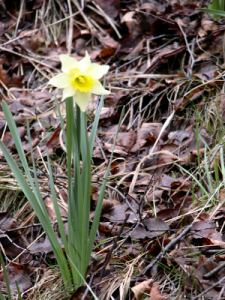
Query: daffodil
column 80, row 79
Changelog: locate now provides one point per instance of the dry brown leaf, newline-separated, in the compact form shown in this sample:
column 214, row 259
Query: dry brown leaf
column 141, row 288
column 53, row 141
column 206, row 231
column 106, row 112
column 148, row 287
column 152, row 228
column 155, row 293
column 51, row 211
column 43, row 247
column 117, row 150
column 108, row 42
column 111, row 7
column 108, row 229
column 129, row 20
column 147, row 134
column 206, row 26
column 19, row 276
column 126, row 139
column 120, row 212
column 11, row 239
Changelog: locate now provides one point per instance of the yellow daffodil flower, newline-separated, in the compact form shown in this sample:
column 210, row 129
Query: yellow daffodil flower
column 80, row 79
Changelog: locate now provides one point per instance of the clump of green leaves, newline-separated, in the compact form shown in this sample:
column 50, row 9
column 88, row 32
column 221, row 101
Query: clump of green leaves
column 78, row 240
column 79, row 79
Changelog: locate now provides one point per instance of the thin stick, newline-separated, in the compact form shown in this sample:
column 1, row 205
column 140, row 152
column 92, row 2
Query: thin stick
column 214, row 271
column 170, row 245
column 210, row 288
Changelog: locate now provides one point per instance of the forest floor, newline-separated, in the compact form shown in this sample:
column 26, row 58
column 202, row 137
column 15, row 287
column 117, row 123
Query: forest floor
column 162, row 230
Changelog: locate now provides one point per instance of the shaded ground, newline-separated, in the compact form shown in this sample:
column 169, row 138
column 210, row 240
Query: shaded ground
column 162, row 229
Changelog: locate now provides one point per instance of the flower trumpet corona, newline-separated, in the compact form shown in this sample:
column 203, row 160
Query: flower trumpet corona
column 80, row 79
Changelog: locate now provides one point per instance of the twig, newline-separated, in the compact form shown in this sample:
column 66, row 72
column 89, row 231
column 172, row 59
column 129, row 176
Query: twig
column 170, row 245
column 30, row 59
column 210, row 288
column 214, row 271
column 70, row 31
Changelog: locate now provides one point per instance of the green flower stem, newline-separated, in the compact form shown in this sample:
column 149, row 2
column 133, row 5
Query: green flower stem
column 79, row 187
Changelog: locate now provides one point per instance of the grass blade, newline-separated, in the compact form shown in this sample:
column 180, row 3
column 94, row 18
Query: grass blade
column 95, row 125
column 16, row 137
column 56, row 207
column 40, row 212
column 6, row 279
column 216, row 12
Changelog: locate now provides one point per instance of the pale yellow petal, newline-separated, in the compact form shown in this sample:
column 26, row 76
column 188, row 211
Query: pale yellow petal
column 68, row 62
column 97, row 71
column 82, row 100
column 84, row 63
column 99, row 89
column 68, row 92
column 60, row 81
